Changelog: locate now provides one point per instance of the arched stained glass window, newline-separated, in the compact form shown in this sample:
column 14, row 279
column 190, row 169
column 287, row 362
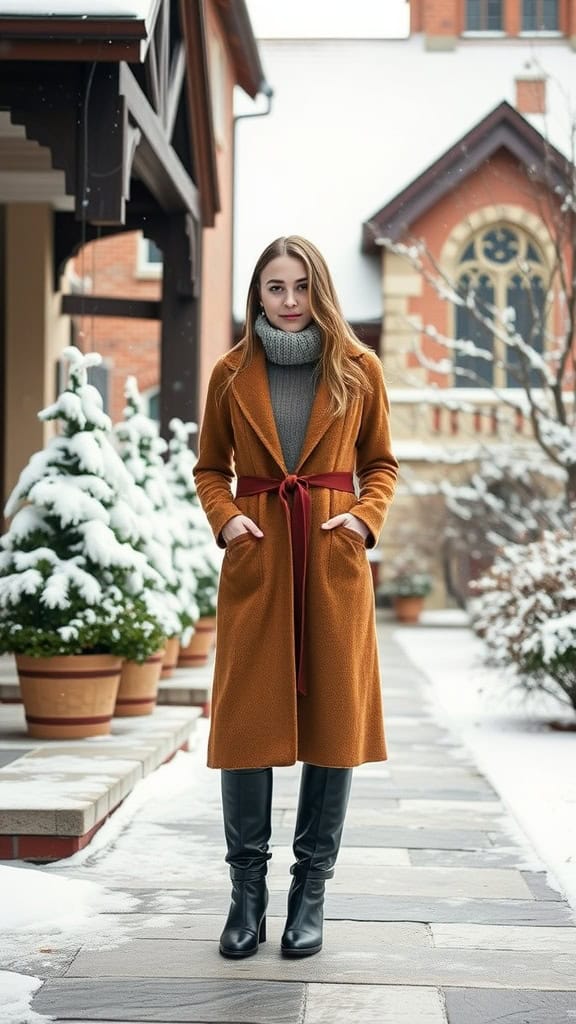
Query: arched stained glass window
column 499, row 269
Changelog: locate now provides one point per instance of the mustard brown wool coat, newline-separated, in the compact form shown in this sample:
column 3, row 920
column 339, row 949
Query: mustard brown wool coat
column 258, row 719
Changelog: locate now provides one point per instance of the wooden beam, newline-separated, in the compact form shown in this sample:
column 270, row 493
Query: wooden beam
column 104, row 149
column 75, row 50
column 151, row 71
column 103, row 305
column 72, row 28
column 175, row 83
column 200, row 108
column 180, row 345
column 155, row 161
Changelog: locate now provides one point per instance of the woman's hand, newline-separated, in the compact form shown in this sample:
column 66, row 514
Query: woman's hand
column 348, row 520
column 239, row 525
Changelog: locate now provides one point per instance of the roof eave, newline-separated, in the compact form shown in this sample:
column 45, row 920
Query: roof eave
column 503, row 127
column 235, row 21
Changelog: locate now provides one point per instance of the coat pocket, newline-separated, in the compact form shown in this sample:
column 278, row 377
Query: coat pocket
column 348, row 559
column 242, row 569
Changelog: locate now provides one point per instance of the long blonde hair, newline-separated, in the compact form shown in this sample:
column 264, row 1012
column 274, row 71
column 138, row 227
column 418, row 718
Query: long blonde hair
column 343, row 376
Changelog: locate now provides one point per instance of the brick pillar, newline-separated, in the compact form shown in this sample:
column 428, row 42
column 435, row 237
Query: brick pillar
column 568, row 25
column 512, row 17
column 441, row 24
column 416, row 19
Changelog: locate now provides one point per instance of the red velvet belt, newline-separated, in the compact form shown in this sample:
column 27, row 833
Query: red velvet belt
column 298, row 517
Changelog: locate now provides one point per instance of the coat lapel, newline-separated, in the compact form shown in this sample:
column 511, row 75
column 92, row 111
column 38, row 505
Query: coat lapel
column 252, row 393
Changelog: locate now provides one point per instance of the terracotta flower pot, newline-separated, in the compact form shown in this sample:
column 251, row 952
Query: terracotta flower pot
column 198, row 650
column 138, row 689
column 69, row 697
column 408, row 609
column 170, row 657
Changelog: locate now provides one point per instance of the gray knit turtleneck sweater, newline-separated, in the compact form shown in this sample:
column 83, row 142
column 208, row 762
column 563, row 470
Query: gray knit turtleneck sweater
column 292, row 362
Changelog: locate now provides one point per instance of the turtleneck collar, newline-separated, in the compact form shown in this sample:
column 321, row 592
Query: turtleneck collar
column 289, row 348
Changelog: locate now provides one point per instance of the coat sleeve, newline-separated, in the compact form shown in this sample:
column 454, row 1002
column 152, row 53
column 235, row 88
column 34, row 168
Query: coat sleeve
column 214, row 470
column 376, row 466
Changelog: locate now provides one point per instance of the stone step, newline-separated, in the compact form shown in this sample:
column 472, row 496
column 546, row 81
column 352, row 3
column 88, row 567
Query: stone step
column 55, row 794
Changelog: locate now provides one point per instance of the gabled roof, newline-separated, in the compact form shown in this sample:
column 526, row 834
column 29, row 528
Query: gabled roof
column 502, row 128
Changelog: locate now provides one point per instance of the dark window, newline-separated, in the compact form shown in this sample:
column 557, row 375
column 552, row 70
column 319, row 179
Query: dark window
column 154, row 406
column 473, row 371
column 484, row 15
column 527, row 296
column 540, row 16
column 153, row 253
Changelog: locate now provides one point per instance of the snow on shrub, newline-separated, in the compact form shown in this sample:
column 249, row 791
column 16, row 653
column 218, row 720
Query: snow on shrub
column 203, row 556
column 71, row 580
column 141, row 449
column 525, row 611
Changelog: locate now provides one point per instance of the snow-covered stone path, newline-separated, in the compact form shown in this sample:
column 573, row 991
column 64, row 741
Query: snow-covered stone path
column 439, row 911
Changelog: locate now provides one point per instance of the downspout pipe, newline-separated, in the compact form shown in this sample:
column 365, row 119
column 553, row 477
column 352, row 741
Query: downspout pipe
column 267, row 91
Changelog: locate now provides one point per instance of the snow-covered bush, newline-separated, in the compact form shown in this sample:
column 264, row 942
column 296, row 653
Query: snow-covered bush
column 203, row 556
column 525, row 611
column 71, row 580
column 141, row 449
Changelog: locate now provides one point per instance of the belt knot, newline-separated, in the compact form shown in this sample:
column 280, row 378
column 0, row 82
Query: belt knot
column 291, row 482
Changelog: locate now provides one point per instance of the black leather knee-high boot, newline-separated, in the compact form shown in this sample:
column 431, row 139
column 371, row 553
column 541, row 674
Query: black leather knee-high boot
column 322, row 807
column 247, row 807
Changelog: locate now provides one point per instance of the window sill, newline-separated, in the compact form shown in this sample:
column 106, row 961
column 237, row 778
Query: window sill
column 151, row 273
column 496, row 34
column 543, row 34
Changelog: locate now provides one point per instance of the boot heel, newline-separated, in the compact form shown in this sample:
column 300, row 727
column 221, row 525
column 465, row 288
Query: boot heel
column 262, row 932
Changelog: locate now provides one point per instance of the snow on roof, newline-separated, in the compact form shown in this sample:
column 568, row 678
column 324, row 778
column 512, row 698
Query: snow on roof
column 75, row 8
column 352, row 123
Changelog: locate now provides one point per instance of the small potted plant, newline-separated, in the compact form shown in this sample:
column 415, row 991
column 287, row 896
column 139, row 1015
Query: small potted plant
column 71, row 579
column 407, row 588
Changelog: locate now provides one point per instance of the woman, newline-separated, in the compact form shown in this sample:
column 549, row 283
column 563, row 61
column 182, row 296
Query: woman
column 292, row 411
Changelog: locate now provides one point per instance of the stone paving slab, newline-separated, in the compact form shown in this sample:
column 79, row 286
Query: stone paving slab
column 349, row 857
column 470, row 936
column 502, row 857
column 373, row 1004
column 178, row 1002
column 374, row 962
column 539, row 884
column 360, row 817
column 477, row 1007
column 384, row 879
column 367, row 907
column 408, row 838
column 7, row 756
column 194, row 927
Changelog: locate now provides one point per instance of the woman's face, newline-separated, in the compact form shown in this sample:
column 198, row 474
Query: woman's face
column 284, row 293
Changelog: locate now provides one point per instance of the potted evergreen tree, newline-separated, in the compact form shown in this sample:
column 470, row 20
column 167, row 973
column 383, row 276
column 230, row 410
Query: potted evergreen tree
column 141, row 449
column 204, row 556
column 72, row 583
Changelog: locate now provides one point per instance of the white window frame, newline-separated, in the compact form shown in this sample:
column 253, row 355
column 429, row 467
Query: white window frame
column 146, row 268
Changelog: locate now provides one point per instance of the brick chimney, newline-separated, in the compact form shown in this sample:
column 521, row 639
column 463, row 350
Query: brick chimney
column 530, row 87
